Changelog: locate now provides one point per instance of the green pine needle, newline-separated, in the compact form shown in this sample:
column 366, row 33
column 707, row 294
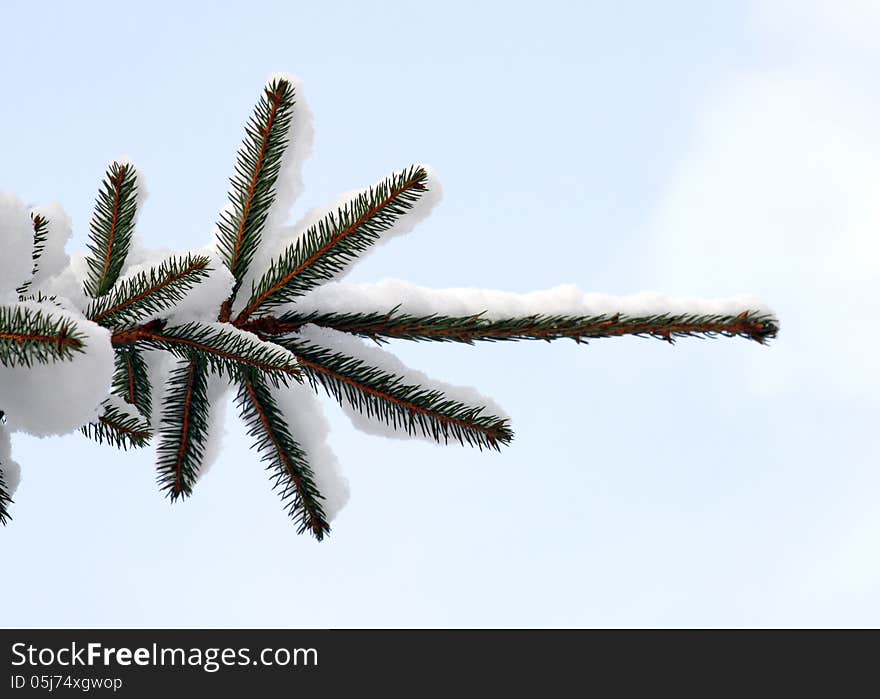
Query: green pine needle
column 256, row 171
column 149, row 292
column 111, row 229
column 382, row 327
column 29, row 336
column 388, row 398
column 222, row 347
column 41, row 235
column 330, row 245
column 284, row 457
column 183, row 430
column 131, row 380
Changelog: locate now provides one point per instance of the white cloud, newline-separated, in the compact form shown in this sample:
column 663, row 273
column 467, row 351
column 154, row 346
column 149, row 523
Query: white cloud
column 779, row 195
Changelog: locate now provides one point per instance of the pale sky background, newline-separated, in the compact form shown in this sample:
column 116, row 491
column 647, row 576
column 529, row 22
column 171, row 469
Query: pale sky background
column 690, row 148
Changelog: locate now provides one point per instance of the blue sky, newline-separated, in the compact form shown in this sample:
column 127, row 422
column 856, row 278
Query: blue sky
column 690, row 148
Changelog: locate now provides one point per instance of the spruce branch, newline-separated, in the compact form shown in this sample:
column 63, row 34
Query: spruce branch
column 224, row 348
column 329, row 246
column 119, row 427
column 29, row 336
column 111, row 229
column 131, row 379
column 149, row 292
column 253, row 184
column 269, row 343
column 183, row 430
column 41, row 235
column 388, row 398
column 381, row 327
column 284, row 456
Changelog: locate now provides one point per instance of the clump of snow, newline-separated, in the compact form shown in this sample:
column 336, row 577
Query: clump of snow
column 381, row 297
column 159, row 366
column 10, row 469
column 60, row 396
column 309, row 427
column 17, row 240
column 54, row 258
column 68, row 283
column 379, row 358
column 218, row 400
column 121, row 405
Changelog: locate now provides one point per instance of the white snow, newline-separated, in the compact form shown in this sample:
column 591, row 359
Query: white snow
column 287, row 236
column 54, row 258
column 11, row 470
column 60, row 396
column 17, row 241
column 309, row 427
column 381, row 297
column 159, row 366
column 379, row 358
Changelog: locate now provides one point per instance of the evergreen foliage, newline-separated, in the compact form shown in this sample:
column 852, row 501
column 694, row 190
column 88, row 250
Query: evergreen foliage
column 330, row 245
column 112, row 228
column 119, row 427
column 29, row 336
column 286, row 460
column 183, row 432
column 263, row 348
column 256, row 171
column 5, row 499
column 148, row 293
column 131, row 380
column 41, row 234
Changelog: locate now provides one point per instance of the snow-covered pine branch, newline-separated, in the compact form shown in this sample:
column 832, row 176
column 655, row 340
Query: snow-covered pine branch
column 259, row 163
column 285, row 457
column 145, row 294
column 331, row 244
column 129, row 344
column 394, row 309
column 112, row 227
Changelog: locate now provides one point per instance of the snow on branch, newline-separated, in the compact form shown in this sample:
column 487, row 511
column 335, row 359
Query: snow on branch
column 224, row 347
column 126, row 343
column 256, row 172
column 10, row 474
column 16, row 237
column 326, row 247
column 145, row 294
column 378, row 386
column 286, row 459
column 119, row 425
column 183, row 431
column 112, row 227
column 33, row 335
column 394, row 309
column 68, row 372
